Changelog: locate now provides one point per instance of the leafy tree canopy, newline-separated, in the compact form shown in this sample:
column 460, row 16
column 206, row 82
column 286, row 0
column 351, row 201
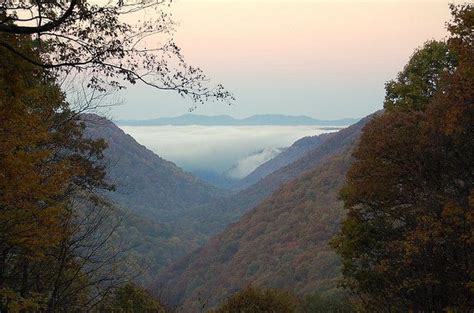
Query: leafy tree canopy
column 45, row 165
column 418, row 82
column 407, row 243
column 253, row 300
column 132, row 298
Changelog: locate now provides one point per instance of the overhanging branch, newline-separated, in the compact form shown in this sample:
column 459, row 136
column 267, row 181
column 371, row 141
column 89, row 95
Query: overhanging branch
column 30, row 30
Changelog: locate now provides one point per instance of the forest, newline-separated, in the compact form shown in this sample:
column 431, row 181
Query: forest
column 375, row 217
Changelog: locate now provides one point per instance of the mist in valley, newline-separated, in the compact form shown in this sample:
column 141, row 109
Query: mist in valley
column 232, row 151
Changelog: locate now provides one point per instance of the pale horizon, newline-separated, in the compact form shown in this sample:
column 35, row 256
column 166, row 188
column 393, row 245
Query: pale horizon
column 325, row 60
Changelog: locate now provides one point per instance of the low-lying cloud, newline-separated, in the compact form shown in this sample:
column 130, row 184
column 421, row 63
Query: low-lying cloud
column 217, row 148
column 247, row 164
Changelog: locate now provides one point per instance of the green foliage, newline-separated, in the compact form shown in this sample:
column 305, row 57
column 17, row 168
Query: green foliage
column 13, row 302
column 318, row 303
column 418, row 82
column 130, row 298
column 150, row 247
column 407, row 243
column 253, row 300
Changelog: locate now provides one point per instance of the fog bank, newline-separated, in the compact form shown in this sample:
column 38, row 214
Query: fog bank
column 218, row 148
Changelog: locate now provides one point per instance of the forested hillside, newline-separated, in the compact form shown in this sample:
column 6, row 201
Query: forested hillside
column 282, row 243
column 151, row 196
column 407, row 243
column 170, row 212
column 147, row 247
column 145, row 183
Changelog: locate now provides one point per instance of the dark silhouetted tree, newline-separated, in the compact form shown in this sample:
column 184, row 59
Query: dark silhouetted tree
column 107, row 43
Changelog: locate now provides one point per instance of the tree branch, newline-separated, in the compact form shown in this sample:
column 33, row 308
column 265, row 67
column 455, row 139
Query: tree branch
column 30, row 30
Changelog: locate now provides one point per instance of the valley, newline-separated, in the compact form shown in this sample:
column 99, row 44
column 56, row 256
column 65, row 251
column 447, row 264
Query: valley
column 236, row 156
column 221, row 152
column 177, row 218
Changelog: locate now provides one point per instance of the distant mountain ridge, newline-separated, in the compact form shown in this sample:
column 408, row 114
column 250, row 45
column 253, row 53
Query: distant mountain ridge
column 226, row 120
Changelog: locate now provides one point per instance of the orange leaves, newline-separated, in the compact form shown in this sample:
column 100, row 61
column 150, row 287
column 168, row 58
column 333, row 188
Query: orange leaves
column 41, row 155
column 44, row 164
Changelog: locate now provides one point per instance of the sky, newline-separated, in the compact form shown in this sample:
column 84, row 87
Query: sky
column 323, row 59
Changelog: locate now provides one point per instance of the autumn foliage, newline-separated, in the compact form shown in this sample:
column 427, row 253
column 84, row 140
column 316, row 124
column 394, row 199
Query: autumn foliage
column 407, row 243
column 44, row 162
column 254, row 300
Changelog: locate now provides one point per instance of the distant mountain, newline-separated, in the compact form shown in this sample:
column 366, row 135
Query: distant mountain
column 146, row 183
column 214, row 217
column 282, row 243
column 225, row 120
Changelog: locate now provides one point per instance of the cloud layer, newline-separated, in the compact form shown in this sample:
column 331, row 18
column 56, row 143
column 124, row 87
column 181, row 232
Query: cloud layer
column 218, row 148
column 247, row 164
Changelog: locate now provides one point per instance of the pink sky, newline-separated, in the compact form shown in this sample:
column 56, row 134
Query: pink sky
column 322, row 59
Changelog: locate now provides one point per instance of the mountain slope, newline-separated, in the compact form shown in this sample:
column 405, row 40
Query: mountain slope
column 145, row 183
column 282, row 243
column 214, row 217
column 225, row 120
column 287, row 156
column 151, row 196
column 147, row 246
